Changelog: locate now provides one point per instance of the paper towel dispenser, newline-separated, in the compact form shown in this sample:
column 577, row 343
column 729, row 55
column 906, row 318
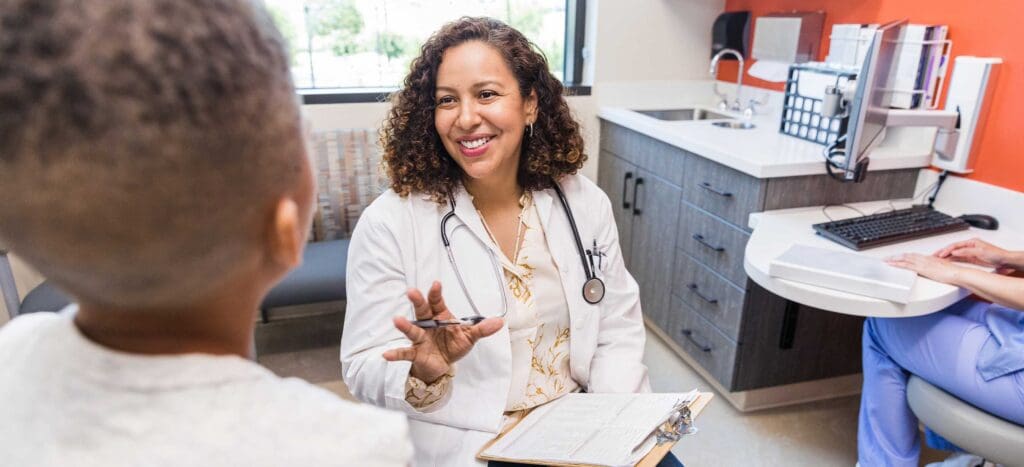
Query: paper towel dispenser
column 788, row 37
column 731, row 31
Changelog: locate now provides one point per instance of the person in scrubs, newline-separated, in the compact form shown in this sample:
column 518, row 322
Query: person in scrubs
column 973, row 350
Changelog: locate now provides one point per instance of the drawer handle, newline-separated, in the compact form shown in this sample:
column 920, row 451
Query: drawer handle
column 700, row 239
column 693, row 288
column 707, row 186
column 636, row 201
column 625, row 183
column 689, row 335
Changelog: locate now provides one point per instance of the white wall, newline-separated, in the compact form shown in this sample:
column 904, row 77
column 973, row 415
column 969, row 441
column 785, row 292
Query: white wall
column 653, row 40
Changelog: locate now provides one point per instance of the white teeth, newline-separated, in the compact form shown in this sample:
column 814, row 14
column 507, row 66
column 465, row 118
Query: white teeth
column 475, row 143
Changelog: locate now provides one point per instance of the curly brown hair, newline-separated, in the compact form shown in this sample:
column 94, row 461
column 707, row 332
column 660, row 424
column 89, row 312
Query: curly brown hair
column 415, row 158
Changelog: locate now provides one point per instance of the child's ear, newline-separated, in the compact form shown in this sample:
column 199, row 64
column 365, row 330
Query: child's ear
column 287, row 234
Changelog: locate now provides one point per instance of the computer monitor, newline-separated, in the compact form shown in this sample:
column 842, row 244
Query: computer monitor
column 865, row 126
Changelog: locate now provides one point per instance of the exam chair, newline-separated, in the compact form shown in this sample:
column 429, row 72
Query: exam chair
column 977, row 432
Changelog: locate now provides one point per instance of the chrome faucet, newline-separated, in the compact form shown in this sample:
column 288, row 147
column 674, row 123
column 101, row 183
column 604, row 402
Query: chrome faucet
column 713, row 69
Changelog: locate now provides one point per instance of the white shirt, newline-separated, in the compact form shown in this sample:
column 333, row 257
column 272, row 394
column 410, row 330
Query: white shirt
column 65, row 400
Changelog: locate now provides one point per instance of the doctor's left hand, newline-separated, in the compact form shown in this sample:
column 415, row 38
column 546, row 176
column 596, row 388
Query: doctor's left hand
column 434, row 350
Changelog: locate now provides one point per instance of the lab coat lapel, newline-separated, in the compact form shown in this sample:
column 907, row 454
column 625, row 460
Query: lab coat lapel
column 562, row 246
column 543, row 200
column 483, row 277
column 556, row 230
column 467, row 213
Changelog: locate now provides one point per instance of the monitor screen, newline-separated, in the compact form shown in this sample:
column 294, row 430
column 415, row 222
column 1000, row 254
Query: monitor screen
column 866, row 123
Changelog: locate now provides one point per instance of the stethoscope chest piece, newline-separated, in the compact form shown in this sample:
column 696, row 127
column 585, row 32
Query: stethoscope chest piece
column 593, row 290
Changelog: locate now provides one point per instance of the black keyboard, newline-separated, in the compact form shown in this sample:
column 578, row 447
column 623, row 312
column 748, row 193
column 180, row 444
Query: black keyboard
column 860, row 233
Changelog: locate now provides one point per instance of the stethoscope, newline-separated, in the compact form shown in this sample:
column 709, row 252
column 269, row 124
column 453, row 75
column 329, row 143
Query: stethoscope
column 593, row 287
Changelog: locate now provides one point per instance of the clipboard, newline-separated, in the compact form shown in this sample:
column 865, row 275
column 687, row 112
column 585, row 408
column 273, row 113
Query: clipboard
column 650, row 460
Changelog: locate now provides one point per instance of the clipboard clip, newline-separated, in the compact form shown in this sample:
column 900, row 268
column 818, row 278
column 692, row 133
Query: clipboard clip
column 679, row 423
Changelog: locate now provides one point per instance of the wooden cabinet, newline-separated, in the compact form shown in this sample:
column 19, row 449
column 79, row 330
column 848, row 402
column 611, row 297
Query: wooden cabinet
column 656, row 214
column 682, row 227
column 646, row 212
column 617, row 177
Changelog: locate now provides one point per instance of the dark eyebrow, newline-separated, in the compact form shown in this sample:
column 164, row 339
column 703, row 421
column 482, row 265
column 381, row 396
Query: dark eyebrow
column 475, row 86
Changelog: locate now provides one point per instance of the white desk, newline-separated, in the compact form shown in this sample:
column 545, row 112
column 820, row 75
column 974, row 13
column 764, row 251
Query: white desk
column 775, row 231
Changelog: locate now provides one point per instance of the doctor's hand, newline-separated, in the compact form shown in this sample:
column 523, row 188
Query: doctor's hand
column 434, row 350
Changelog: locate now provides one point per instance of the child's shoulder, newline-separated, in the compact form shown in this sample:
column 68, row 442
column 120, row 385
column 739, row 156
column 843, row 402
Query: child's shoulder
column 313, row 416
column 31, row 327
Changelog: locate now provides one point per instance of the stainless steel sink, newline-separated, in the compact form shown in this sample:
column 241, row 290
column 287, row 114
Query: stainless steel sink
column 683, row 114
column 734, row 124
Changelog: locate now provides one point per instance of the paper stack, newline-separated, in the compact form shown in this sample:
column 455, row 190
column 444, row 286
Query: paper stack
column 844, row 271
column 920, row 64
column 589, row 429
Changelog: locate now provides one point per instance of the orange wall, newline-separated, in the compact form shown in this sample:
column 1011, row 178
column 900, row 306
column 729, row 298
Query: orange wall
column 992, row 28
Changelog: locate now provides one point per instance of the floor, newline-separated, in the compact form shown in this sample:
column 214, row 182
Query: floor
column 819, row 434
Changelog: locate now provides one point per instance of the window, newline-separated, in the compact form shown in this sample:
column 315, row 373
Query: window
column 368, row 44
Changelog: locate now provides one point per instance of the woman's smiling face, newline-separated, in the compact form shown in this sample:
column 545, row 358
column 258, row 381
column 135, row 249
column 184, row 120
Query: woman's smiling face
column 480, row 114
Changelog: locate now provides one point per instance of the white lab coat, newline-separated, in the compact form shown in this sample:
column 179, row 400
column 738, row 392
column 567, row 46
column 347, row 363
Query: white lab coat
column 397, row 245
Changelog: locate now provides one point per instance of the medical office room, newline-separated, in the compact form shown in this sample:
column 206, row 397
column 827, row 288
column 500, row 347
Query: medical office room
column 821, row 204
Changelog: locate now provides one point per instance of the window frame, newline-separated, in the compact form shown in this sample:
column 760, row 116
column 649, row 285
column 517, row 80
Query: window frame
column 575, row 26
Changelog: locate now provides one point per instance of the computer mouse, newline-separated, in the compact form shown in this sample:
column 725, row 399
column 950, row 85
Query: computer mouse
column 981, row 221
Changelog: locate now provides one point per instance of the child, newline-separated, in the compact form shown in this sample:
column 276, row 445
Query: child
column 152, row 165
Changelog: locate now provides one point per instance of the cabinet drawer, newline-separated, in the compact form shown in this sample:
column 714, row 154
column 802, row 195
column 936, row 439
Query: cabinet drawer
column 703, row 342
column 724, row 192
column 709, row 294
column 713, row 242
column 660, row 158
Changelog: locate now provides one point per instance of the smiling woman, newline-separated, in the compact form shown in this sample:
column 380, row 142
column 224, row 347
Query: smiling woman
column 482, row 153
column 419, row 146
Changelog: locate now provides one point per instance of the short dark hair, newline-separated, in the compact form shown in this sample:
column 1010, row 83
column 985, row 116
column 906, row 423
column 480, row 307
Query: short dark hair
column 417, row 161
column 141, row 142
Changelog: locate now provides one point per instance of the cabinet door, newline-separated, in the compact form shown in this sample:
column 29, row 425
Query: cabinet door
column 655, row 212
column 617, row 177
column 783, row 342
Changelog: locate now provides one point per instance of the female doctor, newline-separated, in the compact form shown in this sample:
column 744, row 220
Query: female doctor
column 487, row 215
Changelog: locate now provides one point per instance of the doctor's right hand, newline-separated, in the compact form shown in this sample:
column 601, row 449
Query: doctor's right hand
column 434, row 350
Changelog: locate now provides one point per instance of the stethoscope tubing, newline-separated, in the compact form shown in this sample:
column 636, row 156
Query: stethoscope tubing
column 593, row 287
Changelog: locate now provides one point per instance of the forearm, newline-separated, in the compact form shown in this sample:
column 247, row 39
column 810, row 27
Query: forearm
column 1015, row 260
column 1004, row 290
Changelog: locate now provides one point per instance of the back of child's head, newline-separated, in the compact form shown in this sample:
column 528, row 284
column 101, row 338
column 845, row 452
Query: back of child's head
column 143, row 143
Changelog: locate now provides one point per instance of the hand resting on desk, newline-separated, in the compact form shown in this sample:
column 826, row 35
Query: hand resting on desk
column 982, row 253
column 942, row 267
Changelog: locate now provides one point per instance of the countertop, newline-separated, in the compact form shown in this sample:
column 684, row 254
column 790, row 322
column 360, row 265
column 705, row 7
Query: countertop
column 761, row 152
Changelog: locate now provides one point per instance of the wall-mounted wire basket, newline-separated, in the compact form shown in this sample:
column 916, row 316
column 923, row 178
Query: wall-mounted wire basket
column 801, row 111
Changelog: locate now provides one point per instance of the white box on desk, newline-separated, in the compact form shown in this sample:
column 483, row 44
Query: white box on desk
column 844, row 271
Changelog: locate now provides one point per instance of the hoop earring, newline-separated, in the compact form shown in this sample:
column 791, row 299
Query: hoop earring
column 531, row 129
